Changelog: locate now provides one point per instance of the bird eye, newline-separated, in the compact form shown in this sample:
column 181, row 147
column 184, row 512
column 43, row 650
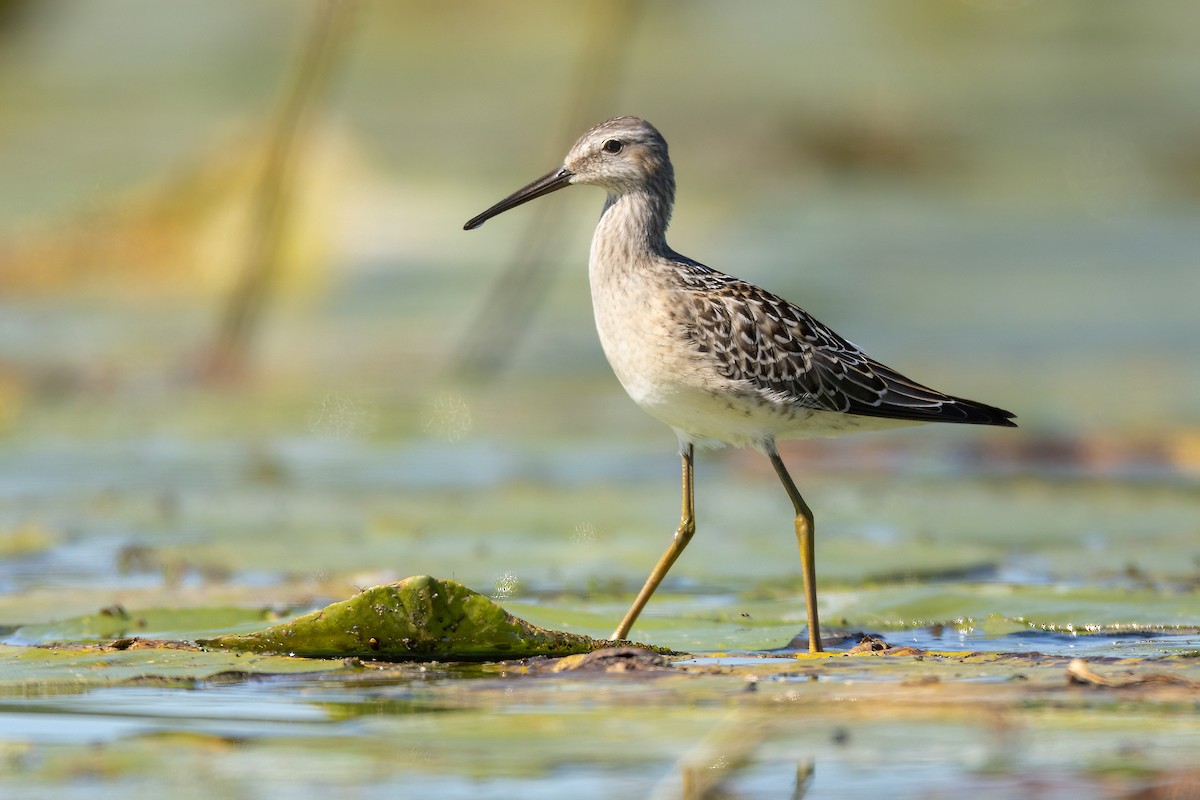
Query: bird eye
column 612, row 146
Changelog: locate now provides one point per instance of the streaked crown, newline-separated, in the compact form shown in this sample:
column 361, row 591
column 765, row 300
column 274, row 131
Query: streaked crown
column 622, row 155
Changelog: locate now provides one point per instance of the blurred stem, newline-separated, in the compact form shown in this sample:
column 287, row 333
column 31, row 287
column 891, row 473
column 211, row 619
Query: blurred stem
column 519, row 291
column 242, row 315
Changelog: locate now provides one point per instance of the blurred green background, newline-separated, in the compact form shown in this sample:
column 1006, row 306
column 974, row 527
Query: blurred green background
column 999, row 197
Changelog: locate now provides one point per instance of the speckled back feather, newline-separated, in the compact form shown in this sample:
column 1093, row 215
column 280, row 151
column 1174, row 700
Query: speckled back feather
column 755, row 336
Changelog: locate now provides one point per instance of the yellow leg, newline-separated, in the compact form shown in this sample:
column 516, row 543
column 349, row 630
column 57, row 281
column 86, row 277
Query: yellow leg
column 683, row 535
column 804, row 536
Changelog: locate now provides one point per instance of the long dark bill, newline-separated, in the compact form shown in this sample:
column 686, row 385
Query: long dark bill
column 550, row 182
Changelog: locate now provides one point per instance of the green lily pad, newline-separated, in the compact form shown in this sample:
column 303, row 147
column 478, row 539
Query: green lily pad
column 418, row 618
column 67, row 668
column 115, row 622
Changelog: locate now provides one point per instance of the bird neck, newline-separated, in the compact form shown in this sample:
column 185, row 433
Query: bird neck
column 635, row 223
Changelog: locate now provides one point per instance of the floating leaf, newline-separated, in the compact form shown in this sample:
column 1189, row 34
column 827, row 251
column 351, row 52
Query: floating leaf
column 418, row 618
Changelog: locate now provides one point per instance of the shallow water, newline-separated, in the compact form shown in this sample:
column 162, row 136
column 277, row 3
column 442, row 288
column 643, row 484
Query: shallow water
column 179, row 539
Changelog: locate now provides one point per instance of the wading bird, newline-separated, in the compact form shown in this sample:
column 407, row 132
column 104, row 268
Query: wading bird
column 718, row 359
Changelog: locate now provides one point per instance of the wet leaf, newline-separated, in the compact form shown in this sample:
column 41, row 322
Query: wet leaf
column 419, row 618
column 115, row 621
column 24, row 669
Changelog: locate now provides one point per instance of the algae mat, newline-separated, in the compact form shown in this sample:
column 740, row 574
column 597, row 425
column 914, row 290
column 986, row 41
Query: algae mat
column 419, row 618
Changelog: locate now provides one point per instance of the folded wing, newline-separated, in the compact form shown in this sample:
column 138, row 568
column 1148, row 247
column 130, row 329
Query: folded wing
column 779, row 349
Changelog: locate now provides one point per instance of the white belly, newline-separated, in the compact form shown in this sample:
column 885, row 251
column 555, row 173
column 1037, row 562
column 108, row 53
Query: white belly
column 713, row 417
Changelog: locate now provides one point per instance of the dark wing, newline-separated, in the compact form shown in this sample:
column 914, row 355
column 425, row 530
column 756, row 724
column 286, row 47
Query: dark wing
column 758, row 337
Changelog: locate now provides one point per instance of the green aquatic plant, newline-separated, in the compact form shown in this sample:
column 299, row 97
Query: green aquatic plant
column 418, row 618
